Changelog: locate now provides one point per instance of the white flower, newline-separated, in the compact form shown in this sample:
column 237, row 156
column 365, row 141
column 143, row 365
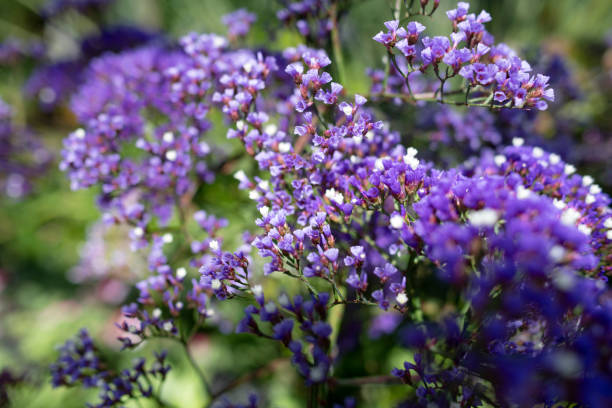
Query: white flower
column 559, row 204
column 138, row 232
column 609, row 235
column 347, row 109
column 79, row 133
column 240, row 125
column 569, row 169
column 168, row 137
column 379, row 164
column 168, row 326
column 584, row 229
column 518, row 141
column 240, row 175
column 595, row 189
column 538, row 152
column 181, row 273
column 215, row 284
column 334, row 196
column 608, row 223
column 283, row 300
column 167, row 238
column 411, row 151
column 554, row 158
column 564, row 280
column 284, row 147
column 557, row 253
column 271, row 129
column 214, row 245
column 157, row 313
column 264, row 184
column 587, row 181
column 270, row 307
column 487, row 217
column 397, row 221
column 171, row 155
column 522, row 193
column 411, row 161
column 589, row 199
column 369, row 135
column 254, row 195
column 257, row 290
column 401, row 298
column 570, row 216
column 499, row 159
column 264, row 211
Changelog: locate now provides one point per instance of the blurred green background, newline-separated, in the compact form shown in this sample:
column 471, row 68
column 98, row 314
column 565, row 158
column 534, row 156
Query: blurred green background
column 43, row 235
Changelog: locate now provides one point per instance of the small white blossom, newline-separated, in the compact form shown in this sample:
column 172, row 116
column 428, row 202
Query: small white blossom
column 271, row 129
column 215, row 284
column 584, row 229
column 559, row 204
column 538, row 152
column 168, row 137
column 589, row 199
column 284, row 147
column 487, row 217
column 587, row 181
column 397, row 221
column 522, row 193
column 499, row 159
column 240, row 175
column 79, row 133
column 518, row 141
column 570, row 216
column 557, row 253
column 401, row 298
column 181, row 273
column 554, row 158
column 334, row 196
column 171, row 155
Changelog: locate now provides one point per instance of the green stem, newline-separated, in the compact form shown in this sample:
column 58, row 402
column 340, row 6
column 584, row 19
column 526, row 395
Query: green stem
column 197, row 369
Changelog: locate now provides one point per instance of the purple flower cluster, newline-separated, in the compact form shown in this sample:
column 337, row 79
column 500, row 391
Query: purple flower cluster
column 517, row 238
column 238, row 23
column 22, row 156
column 494, row 72
column 112, row 104
column 80, row 363
column 52, row 84
column 312, row 362
column 311, row 18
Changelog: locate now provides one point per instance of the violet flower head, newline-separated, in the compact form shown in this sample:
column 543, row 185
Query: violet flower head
column 238, row 22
